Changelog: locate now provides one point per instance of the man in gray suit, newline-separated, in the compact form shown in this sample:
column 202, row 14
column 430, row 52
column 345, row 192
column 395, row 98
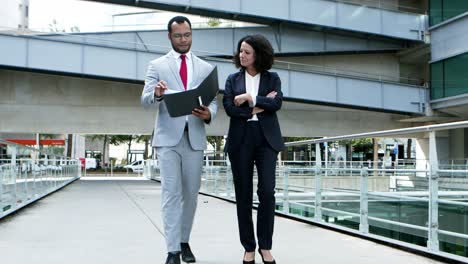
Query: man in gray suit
column 179, row 141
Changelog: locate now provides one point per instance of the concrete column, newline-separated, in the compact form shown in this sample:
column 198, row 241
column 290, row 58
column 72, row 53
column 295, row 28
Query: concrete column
column 318, row 184
column 375, row 141
column 457, row 144
column 433, row 235
column 38, row 141
column 422, row 155
column 326, row 157
column 318, row 156
column 466, row 145
column 422, row 150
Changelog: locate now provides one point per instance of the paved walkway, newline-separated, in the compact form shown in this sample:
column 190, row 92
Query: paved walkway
column 119, row 221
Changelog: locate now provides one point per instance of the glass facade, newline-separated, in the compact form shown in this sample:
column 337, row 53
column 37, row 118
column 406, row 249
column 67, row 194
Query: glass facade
column 441, row 10
column 449, row 77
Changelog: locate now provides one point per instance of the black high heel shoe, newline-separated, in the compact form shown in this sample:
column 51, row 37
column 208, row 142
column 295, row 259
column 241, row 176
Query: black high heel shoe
column 265, row 262
column 248, row 262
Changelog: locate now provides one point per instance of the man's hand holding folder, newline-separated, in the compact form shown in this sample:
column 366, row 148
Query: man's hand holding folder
column 202, row 112
column 192, row 101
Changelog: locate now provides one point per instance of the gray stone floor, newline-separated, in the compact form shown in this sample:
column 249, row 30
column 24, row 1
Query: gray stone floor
column 119, row 221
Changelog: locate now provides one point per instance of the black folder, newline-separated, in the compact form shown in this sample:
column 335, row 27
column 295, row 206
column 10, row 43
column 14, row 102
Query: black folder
column 182, row 103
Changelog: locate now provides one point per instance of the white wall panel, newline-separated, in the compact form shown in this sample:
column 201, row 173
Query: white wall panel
column 55, row 56
column 110, row 62
column 450, row 39
column 359, row 18
column 312, row 86
column 362, row 92
column 13, row 51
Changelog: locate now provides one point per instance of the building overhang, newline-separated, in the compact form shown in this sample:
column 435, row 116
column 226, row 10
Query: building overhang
column 454, row 105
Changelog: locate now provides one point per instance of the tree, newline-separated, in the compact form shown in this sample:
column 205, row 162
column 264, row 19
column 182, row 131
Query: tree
column 408, row 148
column 214, row 22
column 362, row 145
column 123, row 139
column 69, row 145
column 51, row 149
column 105, row 138
column 75, row 29
column 145, row 139
column 55, row 27
column 217, row 142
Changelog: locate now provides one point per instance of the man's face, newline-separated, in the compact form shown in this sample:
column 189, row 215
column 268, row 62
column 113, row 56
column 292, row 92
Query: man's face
column 181, row 37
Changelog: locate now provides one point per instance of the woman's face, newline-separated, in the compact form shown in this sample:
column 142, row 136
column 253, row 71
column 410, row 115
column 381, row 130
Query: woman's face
column 247, row 55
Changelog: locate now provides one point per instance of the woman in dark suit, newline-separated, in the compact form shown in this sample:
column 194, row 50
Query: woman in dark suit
column 251, row 99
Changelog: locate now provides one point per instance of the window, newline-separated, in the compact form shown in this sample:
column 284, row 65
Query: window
column 441, row 10
column 449, row 78
column 437, row 80
column 435, row 12
column 455, row 75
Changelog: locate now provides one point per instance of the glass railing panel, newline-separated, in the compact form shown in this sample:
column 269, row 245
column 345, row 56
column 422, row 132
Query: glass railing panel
column 27, row 174
column 340, row 194
column 217, row 180
column 6, row 185
column 453, row 207
column 295, row 189
column 390, row 199
column 396, row 211
column 398, row 201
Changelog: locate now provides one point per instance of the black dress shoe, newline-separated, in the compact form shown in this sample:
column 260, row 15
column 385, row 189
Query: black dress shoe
column 187, row 255
column 248, row 262
column 173, row 258
column 265, row 262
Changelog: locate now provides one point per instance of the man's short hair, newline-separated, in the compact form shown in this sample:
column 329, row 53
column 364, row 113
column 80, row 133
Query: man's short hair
column 178, row 20
column 264, row 54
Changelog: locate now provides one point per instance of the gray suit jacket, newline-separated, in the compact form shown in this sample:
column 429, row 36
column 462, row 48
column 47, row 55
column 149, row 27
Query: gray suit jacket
column 169, row 130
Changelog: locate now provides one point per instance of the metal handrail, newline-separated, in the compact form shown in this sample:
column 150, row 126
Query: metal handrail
column 392, row 132
column 26, row 180
column 368, row 185
column 318, row 200
column 47, row 152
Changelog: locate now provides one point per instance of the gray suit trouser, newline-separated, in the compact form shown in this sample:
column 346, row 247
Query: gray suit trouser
column 181, row 169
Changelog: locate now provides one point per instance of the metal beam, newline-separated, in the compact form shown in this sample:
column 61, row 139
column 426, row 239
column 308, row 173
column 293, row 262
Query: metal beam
column 311, row 85
column 285, row 39
column 336, row 15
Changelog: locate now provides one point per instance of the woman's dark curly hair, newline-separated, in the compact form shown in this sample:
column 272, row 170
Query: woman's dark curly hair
column 264, row 54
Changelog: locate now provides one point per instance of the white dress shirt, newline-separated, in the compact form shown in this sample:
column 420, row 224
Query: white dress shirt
column 251, row 87
column 189, row 61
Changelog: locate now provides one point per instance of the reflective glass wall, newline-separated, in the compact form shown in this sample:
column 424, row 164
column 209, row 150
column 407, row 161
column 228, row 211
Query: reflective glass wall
column 449, row 77
column 441, row 10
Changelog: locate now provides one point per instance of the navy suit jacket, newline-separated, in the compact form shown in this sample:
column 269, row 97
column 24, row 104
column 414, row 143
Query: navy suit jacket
column 235, row 85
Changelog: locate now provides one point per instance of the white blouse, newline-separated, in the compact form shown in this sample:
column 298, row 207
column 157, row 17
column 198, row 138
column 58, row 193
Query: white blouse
column 251, row 86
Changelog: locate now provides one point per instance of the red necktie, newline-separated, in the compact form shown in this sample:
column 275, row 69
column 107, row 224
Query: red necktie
column 183, row 71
